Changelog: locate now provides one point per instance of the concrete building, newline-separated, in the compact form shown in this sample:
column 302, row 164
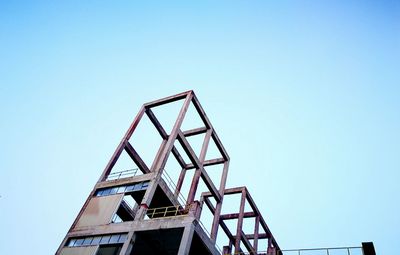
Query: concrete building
column 142, row 211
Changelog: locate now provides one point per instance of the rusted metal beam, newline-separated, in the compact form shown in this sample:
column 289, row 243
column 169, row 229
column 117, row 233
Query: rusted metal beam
column 178, row 157
column 240, row 221
column 164, row 136
column 179, row 183
column 169, row 99
column 198, row 162
column 219, row 145
column 233, row 216
column 229, row 191
column 136, row 158
column 260, row 236
column 209, row 204
column 195, row 131
column 210, row 185
column 256, row 235
column 224, row 178
column 209, row 162
column 216, row 220
column 156, row 123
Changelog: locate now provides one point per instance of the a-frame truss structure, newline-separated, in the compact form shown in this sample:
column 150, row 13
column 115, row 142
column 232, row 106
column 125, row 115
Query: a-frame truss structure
column 152, row 176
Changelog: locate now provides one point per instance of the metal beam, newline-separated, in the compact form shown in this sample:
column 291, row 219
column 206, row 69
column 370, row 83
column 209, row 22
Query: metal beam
column 209, row 162
column 233, row 216
column 136, row 158
column 195, row 131
column 121, row 145
column 169, row 99
column 164, row 136
column 240, row 221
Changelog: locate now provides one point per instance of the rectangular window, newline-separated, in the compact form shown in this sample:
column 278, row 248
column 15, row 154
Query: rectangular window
column 99, row 193
column 113, row 191
column 79, row 242
column 96, row 240
column 106, row 192
column 130, row 188
column 71, row 242
column 122, row 238
column 121, row 189
column 105, row 239
column 114, row 239
column 87, row 241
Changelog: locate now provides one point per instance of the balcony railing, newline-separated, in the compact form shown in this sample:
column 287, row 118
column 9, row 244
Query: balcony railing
column 171, row 184
column 314, row 251
column 122, row 174
column 325, row 251
column 167, row 211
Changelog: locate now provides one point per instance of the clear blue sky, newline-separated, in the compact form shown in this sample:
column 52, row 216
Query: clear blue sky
column 305, row 96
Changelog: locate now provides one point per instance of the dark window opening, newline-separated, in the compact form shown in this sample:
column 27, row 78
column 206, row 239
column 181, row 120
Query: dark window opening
column 109, row 249
column 155, row 242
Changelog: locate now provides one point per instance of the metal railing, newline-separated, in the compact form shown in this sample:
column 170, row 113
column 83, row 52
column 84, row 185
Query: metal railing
column 122, row 174
column 356, row 250
column 171, row 184
column 313, row 251
column 167, row 211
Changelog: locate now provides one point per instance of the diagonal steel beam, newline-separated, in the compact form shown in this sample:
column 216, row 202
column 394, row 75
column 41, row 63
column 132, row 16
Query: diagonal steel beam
column 207, row 180
column 121, row 145
column 136, row 158
column 164, row 136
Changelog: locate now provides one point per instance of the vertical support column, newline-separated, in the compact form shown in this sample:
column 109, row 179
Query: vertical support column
column 127, row 247
column 186, row 241
column 240, row 221
column 217, row 213
column 197, row 175
column 256, row 227
column 231, row 244
column 215, row 224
